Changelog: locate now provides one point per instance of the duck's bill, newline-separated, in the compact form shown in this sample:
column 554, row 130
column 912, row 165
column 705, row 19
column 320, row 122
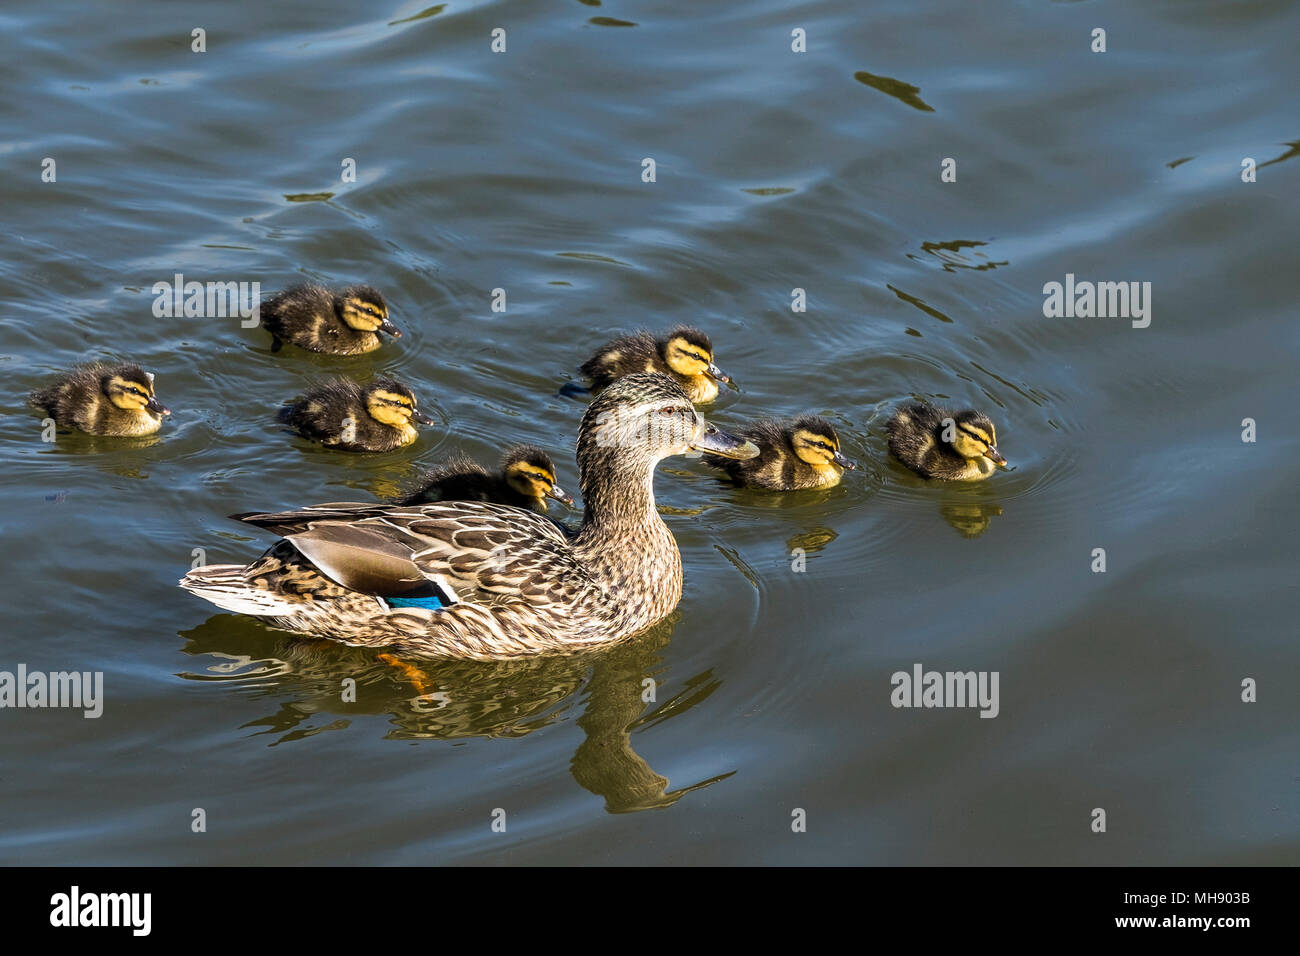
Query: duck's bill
column 422, row 418
column 844, row 462
column 391, row 329
column 718, row 374
column 157, row 407
column 715, row 441
column 559, row 495
column 995, row 456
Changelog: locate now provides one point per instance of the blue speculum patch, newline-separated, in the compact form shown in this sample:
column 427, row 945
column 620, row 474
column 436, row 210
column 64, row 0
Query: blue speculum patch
column 431, row 602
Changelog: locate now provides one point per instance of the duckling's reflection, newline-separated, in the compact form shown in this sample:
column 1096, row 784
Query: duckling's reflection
column 455, row 699
column 970, row 518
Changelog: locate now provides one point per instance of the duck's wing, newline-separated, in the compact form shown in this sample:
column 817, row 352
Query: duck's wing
column 474, row 552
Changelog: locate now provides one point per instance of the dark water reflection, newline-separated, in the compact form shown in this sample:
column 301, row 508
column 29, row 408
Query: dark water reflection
column 614, row 693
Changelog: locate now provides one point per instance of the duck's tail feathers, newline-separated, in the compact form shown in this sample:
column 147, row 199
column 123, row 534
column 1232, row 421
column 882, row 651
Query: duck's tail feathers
column 226, row 586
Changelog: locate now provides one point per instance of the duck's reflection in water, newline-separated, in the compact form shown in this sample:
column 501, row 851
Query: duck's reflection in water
column 310, row 680
column 970, row 519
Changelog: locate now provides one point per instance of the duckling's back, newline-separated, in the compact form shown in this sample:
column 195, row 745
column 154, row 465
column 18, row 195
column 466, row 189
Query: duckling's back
column 329, row 413
column 775, row 467
column 638, row 352
column 912, row 434
column 459, row 479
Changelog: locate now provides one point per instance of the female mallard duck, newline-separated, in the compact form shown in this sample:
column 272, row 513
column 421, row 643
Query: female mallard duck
column 793, row 454
column 937, row 443
column 512, row 582
column 526, row 480
column 347, row 322
column 352, row 417
column 684, row 353
column 104, row 399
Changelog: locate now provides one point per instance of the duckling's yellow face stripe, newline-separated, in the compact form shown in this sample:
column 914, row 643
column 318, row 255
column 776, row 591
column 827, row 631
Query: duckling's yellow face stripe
column 814, row 448
column 971, row 441
column 363, row 315
column 128, row 394
column 529, row 479
column 390, row 408
column 687, row 359
column 386, row 396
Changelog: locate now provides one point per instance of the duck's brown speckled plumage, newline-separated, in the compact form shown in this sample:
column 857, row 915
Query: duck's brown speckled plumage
column 86, row 398
column 520, row 584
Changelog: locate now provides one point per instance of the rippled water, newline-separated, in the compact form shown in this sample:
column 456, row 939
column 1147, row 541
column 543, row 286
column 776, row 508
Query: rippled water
column 775, row 170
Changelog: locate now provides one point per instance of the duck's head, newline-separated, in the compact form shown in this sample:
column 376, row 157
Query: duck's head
column 530, row 471
column 130, row 387
column 392, row 403
column 647, row 416
column 364, row 309
column 689, row 352
column 973, row 436
column 815, row 441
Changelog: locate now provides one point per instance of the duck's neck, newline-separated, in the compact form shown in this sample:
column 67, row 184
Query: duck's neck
column 623, row 541
column 617, row 494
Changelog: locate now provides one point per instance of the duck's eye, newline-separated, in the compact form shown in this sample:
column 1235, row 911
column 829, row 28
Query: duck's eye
column 667, row 411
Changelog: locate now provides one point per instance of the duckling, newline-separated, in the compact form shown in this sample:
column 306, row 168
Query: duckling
column 684, row 353
column 937, row 443
column 313, row 317
column 794, row 453
column 342, row 414
column 104, row 399
column 526, row 480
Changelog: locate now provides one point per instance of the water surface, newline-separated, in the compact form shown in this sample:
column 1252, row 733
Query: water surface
column 775, row 171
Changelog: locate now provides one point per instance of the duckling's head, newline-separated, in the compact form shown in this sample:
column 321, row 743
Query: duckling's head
column 364, row 309
column 689, row 352
column 815, row 441
column 130, row 388
column 973, row 436
column 647, row 416
column 392, row 403
column 530, row 471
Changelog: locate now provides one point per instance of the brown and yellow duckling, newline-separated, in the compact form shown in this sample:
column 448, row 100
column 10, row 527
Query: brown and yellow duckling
column 347, row 322
column 793, row 454
column 343, row 414
column 104, row 399
column 937, row 443
column 685, row 354
column 526, row 480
